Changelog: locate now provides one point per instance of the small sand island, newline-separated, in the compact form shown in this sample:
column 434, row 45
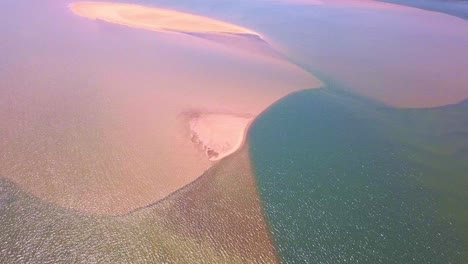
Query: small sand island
column 218, row 135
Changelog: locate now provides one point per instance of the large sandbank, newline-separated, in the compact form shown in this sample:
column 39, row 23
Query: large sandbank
column 94, row 113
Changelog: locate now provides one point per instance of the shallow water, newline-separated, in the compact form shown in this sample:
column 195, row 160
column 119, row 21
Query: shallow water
column 216, row 219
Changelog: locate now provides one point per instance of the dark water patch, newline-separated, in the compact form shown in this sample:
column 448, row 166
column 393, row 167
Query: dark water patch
column 458, row 8
column 343, row 180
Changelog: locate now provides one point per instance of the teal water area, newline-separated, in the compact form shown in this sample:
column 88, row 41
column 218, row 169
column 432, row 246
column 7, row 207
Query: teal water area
column 347, row 180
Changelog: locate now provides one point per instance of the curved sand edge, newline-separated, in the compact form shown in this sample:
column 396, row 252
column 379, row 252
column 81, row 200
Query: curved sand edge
column 243, row 146
column 218, row 134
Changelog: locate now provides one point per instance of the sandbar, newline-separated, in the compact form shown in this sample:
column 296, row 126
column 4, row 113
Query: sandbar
column 156, row 19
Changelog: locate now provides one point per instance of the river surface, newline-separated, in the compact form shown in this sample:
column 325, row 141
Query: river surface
column 370, row 168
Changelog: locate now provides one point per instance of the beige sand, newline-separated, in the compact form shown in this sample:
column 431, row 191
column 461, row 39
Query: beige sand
column 218, row 135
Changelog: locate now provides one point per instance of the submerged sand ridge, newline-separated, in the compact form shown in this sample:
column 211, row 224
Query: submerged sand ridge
column 111, row 137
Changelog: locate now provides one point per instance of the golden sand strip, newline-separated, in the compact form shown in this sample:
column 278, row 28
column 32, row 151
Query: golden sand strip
column 155, row 19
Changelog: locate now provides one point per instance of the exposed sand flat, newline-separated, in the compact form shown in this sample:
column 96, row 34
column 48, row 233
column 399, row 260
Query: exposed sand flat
column 156, row 19
column 218, row 135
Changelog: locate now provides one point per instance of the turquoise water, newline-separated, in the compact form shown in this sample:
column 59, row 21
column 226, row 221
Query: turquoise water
column 345, row 180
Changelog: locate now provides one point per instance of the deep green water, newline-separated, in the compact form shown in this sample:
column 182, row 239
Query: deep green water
column 347, row 180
